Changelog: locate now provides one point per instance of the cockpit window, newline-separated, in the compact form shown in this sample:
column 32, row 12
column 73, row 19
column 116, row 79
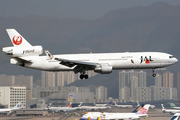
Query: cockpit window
column 170, row 56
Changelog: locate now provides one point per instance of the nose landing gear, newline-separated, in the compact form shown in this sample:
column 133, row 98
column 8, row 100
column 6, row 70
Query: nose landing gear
column 153, row 74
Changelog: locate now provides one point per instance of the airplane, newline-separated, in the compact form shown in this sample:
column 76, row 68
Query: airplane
column 151, row 106
column 101, row 105
column 140, row 111
column 175, row 116
column 122, row 106
column 62, row 109
column 26, row 55
column 171, row 111
column 93, row 107
column 172, row 105
column 8, row 110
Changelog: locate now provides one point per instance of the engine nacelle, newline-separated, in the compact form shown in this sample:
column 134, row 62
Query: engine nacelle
column 15, row 62
column 18, row 51
column 103, row 69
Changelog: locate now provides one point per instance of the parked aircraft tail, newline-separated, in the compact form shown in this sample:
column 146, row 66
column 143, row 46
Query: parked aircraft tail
column 163, row 108
column 138, row 103
column 114, row 102
column 70, row 105
column 142, row 109
column 172, row 104
column 175, row 116
column 80, row 104
column 18, row 106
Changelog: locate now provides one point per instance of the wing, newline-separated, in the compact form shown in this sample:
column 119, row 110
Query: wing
column 22, row 60
column 79, row 65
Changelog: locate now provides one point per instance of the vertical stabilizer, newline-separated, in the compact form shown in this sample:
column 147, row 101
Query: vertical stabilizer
column 172, row 104
column 17, row 39
column 18, row 106
column 70, row 104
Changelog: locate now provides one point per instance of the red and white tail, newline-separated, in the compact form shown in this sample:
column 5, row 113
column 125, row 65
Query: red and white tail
column 70, row 105
column 144, row 109
column 17, row 39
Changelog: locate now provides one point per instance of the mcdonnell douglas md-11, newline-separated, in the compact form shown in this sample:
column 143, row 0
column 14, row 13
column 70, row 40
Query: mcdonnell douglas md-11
column 26, row 55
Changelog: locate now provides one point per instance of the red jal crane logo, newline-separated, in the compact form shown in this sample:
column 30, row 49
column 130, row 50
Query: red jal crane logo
column 17, row 40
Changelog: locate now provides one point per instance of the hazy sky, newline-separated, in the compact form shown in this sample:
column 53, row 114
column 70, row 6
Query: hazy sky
column 83, row 9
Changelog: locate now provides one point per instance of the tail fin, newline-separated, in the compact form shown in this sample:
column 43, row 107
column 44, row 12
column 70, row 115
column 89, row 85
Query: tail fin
column 109, row 103
column 114, row 102
column 175, row 116
column 138, row 103
column 172, row 104
column 142, row 109
column 49, row 105
column 17, row 39
column 18, row 106
column 70, row 104
column 80, row 104
column 163, row 108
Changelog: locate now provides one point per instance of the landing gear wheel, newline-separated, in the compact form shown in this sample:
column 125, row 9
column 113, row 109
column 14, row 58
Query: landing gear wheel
column 86, row 76
column 81, row 76
column 154, row 75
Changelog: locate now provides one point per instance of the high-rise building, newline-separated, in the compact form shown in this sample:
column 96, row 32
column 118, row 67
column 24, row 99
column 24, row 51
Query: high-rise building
column 101, row 93
column 48, row 79
column 134, row 85
column 131, row 79
column 142, row 94
column 158, row 80
column 124, row 94
column 12, row 95
column 7, row 80
column 122, row 79
column 178, row 86
column 163, row 93
column 168, row 79
column 60, row 79
column 26, row 81
column 141, row 79
column 64, row 78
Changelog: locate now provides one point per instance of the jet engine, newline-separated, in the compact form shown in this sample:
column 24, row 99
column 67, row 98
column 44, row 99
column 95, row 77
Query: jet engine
column 18, row 51
column 103, row 69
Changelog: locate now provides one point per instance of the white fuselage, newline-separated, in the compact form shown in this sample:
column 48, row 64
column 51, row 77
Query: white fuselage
column 6, row 110
column 124, row 106
column 63, row 109
column 134, row 60
column 114, row 116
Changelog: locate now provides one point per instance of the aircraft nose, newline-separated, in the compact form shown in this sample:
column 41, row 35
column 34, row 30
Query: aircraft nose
column 175, row 60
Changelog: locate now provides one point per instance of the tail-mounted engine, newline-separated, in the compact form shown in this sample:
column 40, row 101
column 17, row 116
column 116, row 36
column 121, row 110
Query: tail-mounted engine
column 19, row 51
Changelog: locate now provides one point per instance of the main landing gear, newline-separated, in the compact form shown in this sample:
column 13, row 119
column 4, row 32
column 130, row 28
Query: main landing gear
column 153, row 74
column 83, row 75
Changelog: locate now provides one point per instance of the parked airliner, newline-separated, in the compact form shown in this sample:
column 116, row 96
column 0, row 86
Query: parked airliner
column 139, row 112
column 26, row 55
column 8, row 110
column 171, row 111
